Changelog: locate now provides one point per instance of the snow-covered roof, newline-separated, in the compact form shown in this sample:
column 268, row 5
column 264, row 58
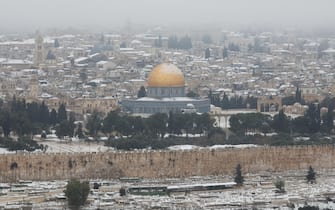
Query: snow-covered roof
column 7, row 61
column 168, row 99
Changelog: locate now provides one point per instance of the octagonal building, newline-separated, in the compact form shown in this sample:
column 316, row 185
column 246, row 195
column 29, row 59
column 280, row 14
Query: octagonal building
column 165, row 93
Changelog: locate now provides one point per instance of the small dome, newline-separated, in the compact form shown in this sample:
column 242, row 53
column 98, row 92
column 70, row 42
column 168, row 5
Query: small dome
column 166, row 75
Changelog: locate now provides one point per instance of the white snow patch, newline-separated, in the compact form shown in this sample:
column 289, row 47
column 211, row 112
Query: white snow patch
column 169, row 68
column 240, row 146
column 183, row 147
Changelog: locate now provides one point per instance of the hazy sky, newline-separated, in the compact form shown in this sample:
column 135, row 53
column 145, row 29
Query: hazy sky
column 20, row 15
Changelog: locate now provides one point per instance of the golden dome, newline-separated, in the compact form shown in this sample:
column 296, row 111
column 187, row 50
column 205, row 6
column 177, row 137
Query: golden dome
column 166, row 75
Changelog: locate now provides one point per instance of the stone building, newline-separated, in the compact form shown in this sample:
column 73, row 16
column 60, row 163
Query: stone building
column 7, row 88
column 295, row 109
column 34, row 88
column 269, row 104
column 82, row 105
column 165, row 93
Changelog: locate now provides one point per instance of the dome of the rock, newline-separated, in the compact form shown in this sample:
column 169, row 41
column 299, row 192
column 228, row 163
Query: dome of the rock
column 166, row 75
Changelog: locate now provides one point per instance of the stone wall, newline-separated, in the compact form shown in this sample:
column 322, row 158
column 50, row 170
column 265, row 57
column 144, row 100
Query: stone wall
column 161, row 164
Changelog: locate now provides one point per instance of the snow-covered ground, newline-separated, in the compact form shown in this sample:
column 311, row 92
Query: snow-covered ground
column 80, row 146
column 257, row 192
column 55, row 145
column 59, row 146
column 183, row 147
column 5, row 151
column 191, row 147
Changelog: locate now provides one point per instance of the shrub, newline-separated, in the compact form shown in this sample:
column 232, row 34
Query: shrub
column 76, row 193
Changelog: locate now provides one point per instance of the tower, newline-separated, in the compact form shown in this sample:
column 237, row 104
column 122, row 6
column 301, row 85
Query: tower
column 39, row 49
column 34, row 88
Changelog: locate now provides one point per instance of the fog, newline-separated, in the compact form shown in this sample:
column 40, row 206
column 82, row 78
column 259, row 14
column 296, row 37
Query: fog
column 30, row 15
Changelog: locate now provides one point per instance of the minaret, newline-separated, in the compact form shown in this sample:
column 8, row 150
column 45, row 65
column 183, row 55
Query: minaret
column 39, row 49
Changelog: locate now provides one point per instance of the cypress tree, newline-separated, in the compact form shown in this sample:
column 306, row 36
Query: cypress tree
column 239, row 179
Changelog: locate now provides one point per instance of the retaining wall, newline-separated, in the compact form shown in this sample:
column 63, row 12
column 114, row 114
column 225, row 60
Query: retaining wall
column 162, row 164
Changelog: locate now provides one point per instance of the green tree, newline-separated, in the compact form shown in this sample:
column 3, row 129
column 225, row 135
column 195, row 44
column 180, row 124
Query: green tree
column 241, row 123
column 188, row 123
column 33, row 112
column 239, row 179
column 122, row 191
column 110, row 121
column 64, row 129
column 13, row 167
column 225, row 103
column 176, row 123
column 72, row 119
column 192, row 94
column 251, row 102
column 123, row 125
column 94, row 124
column 157, row 124
column 53, row 117
column 328, row 121
column 289, row 100
column 281, row 122
column 171, row 120
column 76, row 193
column 43, row 113
column 236, row 125
column 204, row 123
column 328, row 102
column 300, row 125
column 280, row 185
column 62, row 115
column 79, row 131
column 136, row 124
column 214, row 97
column 5, row 122
column 266, row 128
column 311, row 175
column 142, row 92
column 21, row 123
column 298, row 97
column 313, row 116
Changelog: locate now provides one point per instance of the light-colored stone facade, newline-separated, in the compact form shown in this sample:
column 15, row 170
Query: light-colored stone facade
column 164, row 105
column 269, row 104
column 84, row 105
column 163, row 164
